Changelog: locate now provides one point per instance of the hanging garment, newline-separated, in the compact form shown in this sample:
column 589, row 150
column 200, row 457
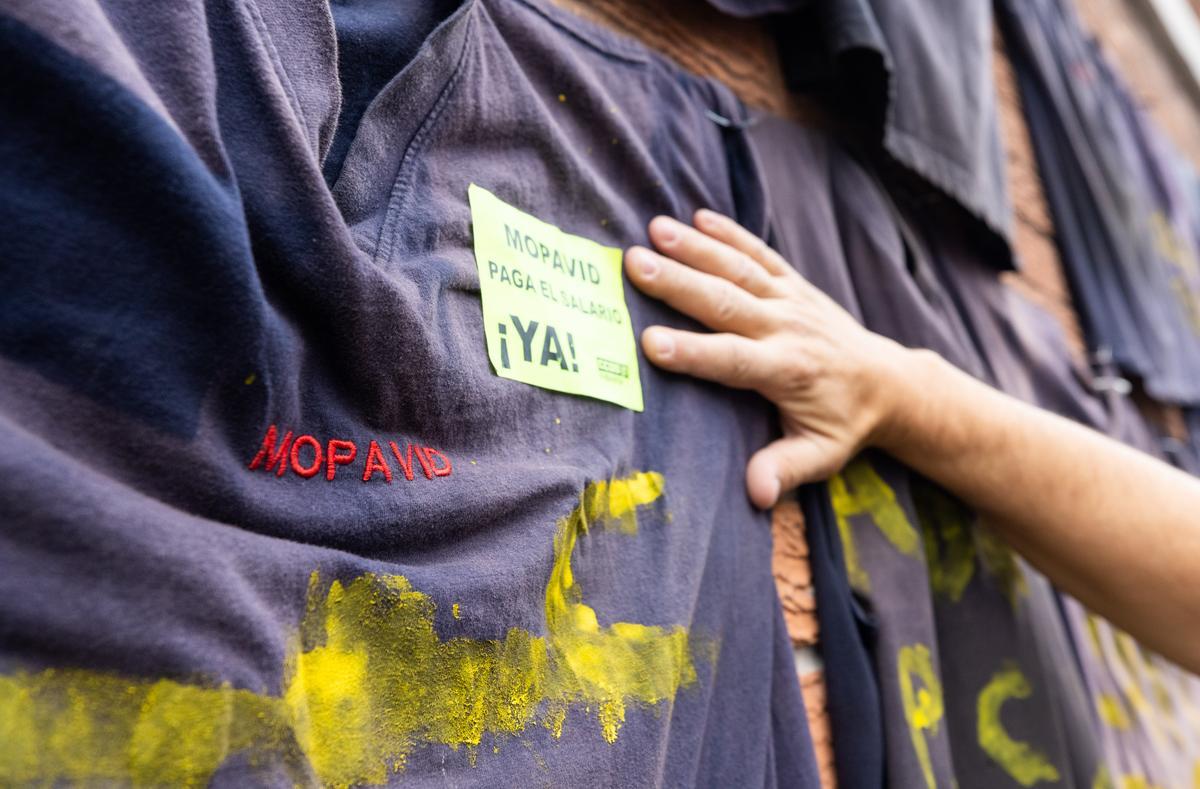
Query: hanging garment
column 988, row 685
column 952, row 622
column 1128, row 715
column 917, row 78
column 1121, row 203
column 795, row 168
column 1147, row 709
column 1101, row 194
column 1168, row 218
column 270, row 515
column 1025, row 354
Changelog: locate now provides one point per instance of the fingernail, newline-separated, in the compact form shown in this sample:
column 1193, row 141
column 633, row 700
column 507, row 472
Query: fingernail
column 647, row 263
column 665, row 232
column 705, row 216
column 775, row 487
column 663, row 344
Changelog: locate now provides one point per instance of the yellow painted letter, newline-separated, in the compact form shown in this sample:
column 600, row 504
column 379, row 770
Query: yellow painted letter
column 923, row 708
column 1026, row 765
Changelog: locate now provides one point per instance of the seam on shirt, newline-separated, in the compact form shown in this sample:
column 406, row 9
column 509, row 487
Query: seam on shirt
column 387, row 234
column 277, row 64
column 323, row 148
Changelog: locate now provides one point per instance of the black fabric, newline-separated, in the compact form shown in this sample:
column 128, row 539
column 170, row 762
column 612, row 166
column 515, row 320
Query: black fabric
column 117, row 323
column 375, row 40
column 916, row 79
column 847, row 644
column 1021, row 346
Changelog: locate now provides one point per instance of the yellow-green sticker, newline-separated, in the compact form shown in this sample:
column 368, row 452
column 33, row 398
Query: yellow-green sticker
column 554, row 309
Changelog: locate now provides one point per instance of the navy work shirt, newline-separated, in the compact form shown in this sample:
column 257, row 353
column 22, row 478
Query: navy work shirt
column 269, row 515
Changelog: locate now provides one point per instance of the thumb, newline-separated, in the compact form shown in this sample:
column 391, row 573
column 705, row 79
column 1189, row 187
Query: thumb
column 787, row 463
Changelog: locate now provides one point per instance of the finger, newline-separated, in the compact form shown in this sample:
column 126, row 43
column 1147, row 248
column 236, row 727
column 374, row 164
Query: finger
column 724, row 358
column 788, row 463
column 701, row 252
column 715, row 302
column 726, row 230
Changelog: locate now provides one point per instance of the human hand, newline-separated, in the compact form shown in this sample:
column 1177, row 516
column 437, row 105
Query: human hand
column 835, row 383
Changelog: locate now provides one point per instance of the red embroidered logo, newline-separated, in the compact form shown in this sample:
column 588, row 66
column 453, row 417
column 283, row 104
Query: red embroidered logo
column 307, row 456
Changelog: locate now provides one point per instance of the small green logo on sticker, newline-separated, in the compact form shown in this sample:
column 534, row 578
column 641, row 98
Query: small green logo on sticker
column 554, row 310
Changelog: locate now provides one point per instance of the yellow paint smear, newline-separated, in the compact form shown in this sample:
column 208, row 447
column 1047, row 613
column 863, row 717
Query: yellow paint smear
column 1026, row 765
column 1132, row 673
column 1137, row 782
column 606, row 666
column 923, row 706
column 1112, row 711
column 369, row 681
column 85, row 727
column 856, row 490
column 953, row 540
column 949, row 542
column 1093, row 624
column 1131, row 781
column 1001, row 565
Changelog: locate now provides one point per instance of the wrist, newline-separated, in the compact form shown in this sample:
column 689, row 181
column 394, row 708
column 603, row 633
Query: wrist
column 906, row 378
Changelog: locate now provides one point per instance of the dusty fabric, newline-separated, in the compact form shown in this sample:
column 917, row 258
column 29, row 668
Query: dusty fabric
column 916, row 80
column 965, row 643
column 795, row 167
column 1128, row 715
column 1119, row 221
column 269, row 516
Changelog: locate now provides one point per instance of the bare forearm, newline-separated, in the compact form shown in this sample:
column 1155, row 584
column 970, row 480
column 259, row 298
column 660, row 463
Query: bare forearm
column 1116, row 528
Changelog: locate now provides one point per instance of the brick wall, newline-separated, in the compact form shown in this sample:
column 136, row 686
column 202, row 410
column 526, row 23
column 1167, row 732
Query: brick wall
column 742, row 55
column 1041, row 278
